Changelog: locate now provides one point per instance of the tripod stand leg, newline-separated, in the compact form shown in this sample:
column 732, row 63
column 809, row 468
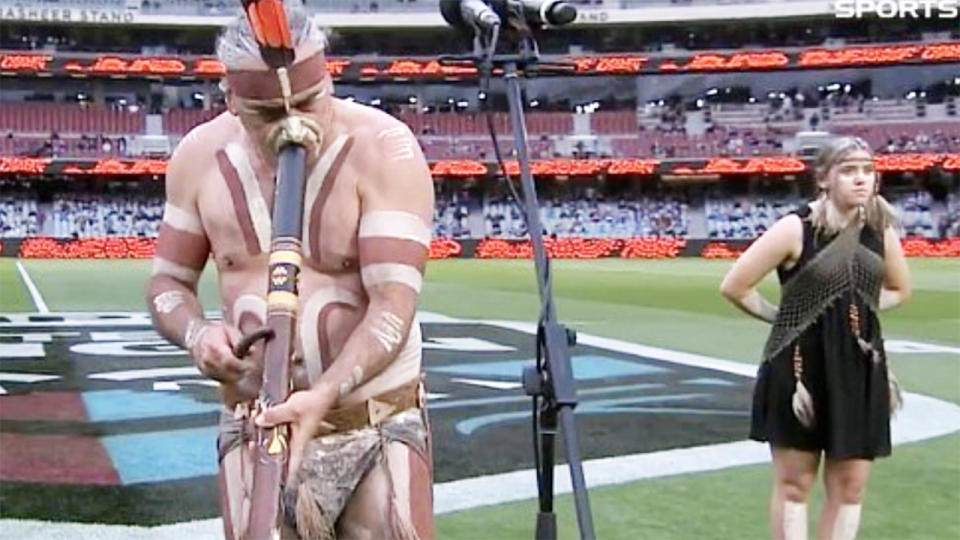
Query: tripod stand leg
column 546, row 526
column 572, row 448
column 546, row 445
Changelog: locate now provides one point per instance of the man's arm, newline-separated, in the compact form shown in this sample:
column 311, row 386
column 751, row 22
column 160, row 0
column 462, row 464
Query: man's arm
column 182, row 253
column 396, row 211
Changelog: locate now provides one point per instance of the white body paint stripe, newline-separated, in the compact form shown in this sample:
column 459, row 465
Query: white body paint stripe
column 174, row 270
column 394, row 224
column 387, row 331
column 168, row 301
column 181, row 219
column 32, row 289
column 314, row 184
column 406, row 366
column 309, row 338
column 404, row 274
column 392, row 132
column 400, row 143
column 256, row 204
column 249, row 303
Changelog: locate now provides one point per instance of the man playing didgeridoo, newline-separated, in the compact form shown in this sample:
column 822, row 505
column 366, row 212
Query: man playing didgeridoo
column 360, row 464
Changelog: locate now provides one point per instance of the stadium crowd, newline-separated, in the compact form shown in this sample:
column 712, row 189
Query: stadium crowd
column 590, row 215
column 80, row 216
column 572, row 212
column 19, row 216
column 738, row 218
column 952, row 219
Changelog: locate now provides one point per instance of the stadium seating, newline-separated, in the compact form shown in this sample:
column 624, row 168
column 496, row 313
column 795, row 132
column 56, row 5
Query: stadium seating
column 916, row 218
column 91, row 216
column 567, row 213
column 464, row 135
column 653, row 132
column 71, row 146
column 450, row 212
column 950, row 223
column 572, row 216
column 744, row 218
column 19, row 216
column 65, row 118
column 180, row 121
column 914, row 136
column 680, row 126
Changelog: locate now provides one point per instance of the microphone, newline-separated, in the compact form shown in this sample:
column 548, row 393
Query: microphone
column 542, row 12
column 469, row 13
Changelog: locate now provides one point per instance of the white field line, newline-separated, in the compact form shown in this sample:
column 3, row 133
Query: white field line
column 32, row 288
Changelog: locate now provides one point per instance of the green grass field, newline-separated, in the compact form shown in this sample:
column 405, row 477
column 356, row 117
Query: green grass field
column 673, row 304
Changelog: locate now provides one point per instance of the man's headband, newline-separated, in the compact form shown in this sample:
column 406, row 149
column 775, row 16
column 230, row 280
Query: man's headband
column 265, row 84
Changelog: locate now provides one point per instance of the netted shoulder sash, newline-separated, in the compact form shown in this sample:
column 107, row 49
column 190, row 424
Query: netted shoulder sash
column 844, row 265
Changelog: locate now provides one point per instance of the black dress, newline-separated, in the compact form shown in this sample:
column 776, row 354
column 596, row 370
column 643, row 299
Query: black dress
column 850, row 389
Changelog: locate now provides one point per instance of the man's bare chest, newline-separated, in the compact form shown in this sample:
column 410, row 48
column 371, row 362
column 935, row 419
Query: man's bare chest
column 236, row 207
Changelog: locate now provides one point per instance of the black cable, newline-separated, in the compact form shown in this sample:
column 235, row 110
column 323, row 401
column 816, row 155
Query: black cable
column 502, row 172
column 486, row 74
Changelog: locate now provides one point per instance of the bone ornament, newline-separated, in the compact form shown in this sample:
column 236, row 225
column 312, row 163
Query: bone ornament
column 296, row 130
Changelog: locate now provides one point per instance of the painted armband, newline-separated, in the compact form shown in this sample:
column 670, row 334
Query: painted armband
column 182, row 247
column 393, row 248
column 182, row 250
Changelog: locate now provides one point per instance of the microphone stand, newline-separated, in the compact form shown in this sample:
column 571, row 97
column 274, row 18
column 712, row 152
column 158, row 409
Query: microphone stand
column 550, row 380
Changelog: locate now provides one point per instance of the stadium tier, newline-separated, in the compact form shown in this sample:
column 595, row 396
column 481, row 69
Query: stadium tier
column 581, row 210
column 34, row 129
column 661, row 134
column 698, row 133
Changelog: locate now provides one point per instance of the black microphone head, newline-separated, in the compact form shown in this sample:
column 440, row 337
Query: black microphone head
column 560, row 13
column 450, row 11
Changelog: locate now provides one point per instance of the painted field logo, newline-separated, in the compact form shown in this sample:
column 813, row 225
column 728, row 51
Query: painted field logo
column 897, row 9
column 100, row 414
